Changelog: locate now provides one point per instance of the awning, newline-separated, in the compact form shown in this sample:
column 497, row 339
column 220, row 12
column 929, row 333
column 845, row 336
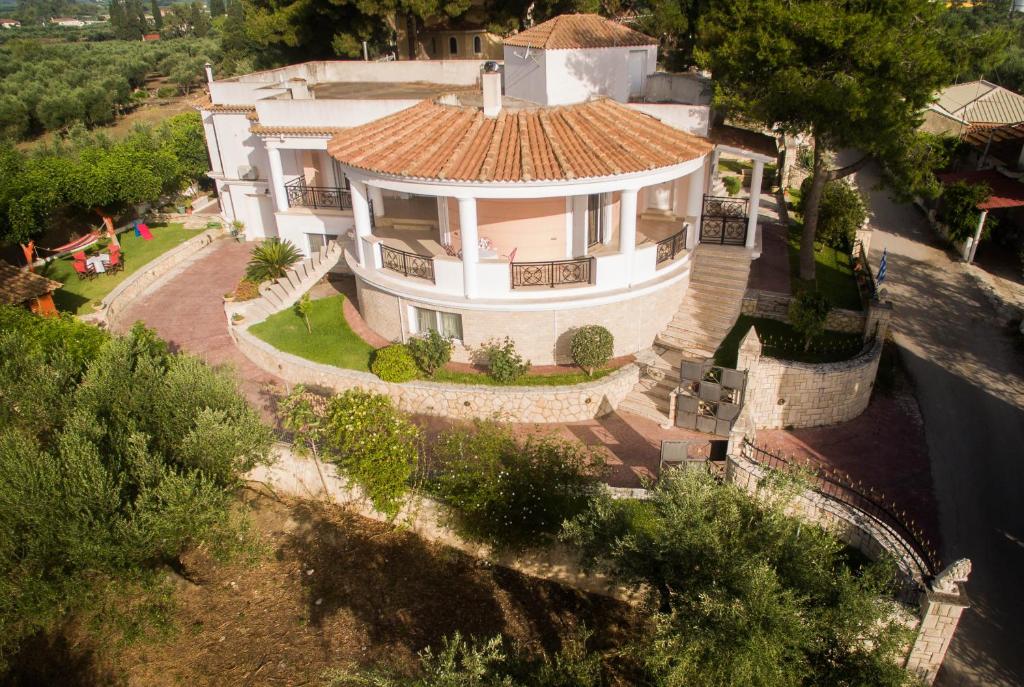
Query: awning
column 1006, row 192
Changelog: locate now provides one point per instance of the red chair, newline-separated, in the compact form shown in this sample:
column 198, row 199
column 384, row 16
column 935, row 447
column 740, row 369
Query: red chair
column 84, row 270
column 80, row 255
column 115, row 263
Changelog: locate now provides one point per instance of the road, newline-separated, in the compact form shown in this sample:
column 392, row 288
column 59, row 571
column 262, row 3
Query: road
column 969, row 377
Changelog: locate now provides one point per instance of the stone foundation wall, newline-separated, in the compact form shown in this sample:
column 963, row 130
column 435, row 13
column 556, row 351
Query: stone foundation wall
column 785, row 393
column 541, row 336
column 571, row 403
column 140, row 281
column 775, row 306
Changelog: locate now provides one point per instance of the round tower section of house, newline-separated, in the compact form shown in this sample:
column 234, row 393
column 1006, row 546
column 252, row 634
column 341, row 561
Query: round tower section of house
column 483, row 221
column 574, row 57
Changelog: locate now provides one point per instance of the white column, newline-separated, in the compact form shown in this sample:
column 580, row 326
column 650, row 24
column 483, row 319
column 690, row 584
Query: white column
column 695, row 203
column 361, row 213
column 277, row 179
column 377, row 198
column 470, row 245
column 973, row 248
column 627, row 229
column 755, row 201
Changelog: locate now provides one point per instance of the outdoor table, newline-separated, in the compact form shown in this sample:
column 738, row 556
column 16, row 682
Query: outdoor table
column 97, row 262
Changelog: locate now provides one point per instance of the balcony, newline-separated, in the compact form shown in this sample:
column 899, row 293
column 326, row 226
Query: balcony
column 407, row 264
column 300, row 195
column 670, row 247
column 552, row 273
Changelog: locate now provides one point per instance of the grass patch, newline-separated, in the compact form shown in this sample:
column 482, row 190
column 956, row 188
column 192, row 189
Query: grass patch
column 560, row 379
column 782, row 341
column 79, row 295
column 833, row 272
column 332, row 342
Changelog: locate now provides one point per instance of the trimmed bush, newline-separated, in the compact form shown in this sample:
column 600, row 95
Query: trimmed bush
column 513, row 493
column 807, row 313
column 841, row 213
column 431, row 351
column 592, row 347
column 373, row 443
column 394, row 363
column 167, row 92
column 732, row 185
column 504, row 364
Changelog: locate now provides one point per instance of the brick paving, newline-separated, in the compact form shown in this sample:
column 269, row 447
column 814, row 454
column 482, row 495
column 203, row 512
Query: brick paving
column 770, row 272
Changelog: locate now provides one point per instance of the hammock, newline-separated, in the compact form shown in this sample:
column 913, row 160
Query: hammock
column 77, row 244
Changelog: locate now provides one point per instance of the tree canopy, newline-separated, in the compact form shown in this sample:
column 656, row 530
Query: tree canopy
column 851, row 74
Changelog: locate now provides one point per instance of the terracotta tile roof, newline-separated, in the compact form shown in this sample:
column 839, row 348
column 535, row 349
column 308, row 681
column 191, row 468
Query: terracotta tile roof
column 203, row 102
column 569, row 31
column 261, row 130
column 594, row 139
column 18, row 285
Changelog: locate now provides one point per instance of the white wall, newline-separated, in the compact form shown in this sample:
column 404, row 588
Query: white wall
column 693, row 119
column 238, row 147
column 295, row 225
column 457, row 72
column 686, row 88
column 327, row 112
column 525, row 75
column 559, row 77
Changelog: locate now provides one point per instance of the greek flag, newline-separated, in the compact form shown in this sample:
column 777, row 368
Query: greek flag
column 882, row 267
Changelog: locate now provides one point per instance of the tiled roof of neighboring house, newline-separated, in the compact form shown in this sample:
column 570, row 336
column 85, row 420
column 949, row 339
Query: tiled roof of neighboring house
column 745, row 139
column 18, row 285
column 981, row 102
column 1006, row 192
column 570, row 31
column 203, row 102
column 594, row 139
column 261, row 130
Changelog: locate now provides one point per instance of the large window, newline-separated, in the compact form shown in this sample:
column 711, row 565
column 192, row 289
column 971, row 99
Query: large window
column 453, row 45
column 445, row 323
column 477, row 45
column 318, row 241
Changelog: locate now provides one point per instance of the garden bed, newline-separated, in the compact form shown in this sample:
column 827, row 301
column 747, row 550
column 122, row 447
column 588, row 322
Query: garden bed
column 783, row 342
column 80, row 296
column 834, row 273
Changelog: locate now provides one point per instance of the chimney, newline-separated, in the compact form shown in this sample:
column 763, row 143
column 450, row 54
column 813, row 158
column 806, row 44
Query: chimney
column 490, row 79
column 209, row 72
column 299, row 89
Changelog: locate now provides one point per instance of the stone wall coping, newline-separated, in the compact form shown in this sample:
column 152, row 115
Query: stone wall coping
column 140, row 280
column 863, row 359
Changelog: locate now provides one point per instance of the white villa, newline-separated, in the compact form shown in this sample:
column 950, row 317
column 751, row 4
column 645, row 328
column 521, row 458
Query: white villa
column 569, row 184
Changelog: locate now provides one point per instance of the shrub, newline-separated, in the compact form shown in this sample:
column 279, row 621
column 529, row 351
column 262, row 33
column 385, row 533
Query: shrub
column 431, row 351
column 959, row 209
column 504, row 364
column 512, row 493
column 271, row 260
column 732, row 185
column 592, row 347
column 807, row 313
column 247, row 290
column 841, row 213
column 373, row 443
column 167, row 92
column 394, row 363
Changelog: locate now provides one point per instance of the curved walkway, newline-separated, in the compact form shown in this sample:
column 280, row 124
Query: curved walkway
column 187, row 311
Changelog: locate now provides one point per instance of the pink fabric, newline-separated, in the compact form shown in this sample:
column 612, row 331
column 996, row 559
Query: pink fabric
column 145, row 233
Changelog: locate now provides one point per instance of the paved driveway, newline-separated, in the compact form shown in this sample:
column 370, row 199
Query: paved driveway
column 969, row 375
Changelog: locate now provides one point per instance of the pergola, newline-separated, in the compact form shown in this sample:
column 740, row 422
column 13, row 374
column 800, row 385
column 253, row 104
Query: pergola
column 1006, row 193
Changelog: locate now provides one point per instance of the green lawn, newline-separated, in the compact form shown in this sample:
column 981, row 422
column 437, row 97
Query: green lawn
column 781, row 341
column 833, row 272
column 332, row 341
column 79, row 295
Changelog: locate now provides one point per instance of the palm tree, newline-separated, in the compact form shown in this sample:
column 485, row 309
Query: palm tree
column 271, row 260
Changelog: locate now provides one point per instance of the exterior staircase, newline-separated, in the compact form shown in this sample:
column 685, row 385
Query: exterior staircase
column 707, row 314
column 299, row 279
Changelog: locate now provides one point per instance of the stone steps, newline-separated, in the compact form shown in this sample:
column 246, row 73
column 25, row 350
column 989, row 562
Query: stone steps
column 297, row 281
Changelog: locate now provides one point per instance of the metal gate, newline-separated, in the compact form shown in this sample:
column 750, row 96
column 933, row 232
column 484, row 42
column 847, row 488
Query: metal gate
column 723, row 221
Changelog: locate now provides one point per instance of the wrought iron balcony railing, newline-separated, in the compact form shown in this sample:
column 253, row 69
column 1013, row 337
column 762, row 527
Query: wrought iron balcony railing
column 552, row 273
column 669, row 248
column 407, row 264
column 302, row 196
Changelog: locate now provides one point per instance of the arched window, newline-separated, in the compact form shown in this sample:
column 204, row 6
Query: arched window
column 453, row 45
column 477, row 45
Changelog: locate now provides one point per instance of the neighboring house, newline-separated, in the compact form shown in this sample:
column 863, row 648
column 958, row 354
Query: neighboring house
column 150, row 37
column 481, row 213
column 67, row 21
column 9, row 23
column 454, row 40
column 988, row 117
column 21, row 287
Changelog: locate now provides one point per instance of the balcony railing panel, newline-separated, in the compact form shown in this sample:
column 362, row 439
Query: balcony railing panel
column 669, row 248
column 552, row 273
column 407, row 264
column 723, row 221
column 302, row 196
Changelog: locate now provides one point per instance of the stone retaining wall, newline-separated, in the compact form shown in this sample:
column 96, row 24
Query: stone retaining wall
column 775, row 306
column 303, row 478
column 140, row 281
column 570, row 403
column 786, row 393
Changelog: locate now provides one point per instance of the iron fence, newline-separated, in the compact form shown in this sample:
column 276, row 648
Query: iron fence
column 723, row 221
column 862, row 272
column 303, row 196
column 552, row 273
column 822, row 351
column 407, row 264
column 864, row 499
column 669, row 248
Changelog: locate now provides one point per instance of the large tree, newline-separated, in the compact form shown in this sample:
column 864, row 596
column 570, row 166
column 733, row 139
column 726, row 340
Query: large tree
column 851, row 74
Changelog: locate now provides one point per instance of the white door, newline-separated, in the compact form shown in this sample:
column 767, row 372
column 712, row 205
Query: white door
column 637, row 72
